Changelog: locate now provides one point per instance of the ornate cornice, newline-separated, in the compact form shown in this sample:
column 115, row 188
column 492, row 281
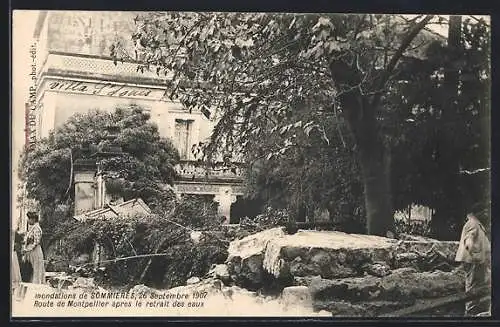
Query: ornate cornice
column 200, row 188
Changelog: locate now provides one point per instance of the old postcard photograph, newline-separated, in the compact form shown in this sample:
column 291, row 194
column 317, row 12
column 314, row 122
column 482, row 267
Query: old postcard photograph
column 245, row 164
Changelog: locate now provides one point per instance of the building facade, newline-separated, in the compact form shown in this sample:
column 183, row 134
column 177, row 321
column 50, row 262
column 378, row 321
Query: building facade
column 75, row 74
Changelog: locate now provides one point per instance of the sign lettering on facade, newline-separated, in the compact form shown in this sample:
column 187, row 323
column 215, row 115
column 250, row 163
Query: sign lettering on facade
column 106, row 89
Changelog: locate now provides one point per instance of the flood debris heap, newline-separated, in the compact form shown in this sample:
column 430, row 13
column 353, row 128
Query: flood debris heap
column 347, row 274
column 328, row 273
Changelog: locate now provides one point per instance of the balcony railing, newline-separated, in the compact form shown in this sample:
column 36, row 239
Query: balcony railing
column 198, row 171
column 89, row 65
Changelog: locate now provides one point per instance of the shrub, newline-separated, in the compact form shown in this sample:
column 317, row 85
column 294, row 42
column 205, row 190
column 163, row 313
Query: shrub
column 167, row 235
column 268, row 219
column 420, row 228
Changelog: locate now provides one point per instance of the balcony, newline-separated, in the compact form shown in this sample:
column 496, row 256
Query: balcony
column 102, row 68
column 216, row 172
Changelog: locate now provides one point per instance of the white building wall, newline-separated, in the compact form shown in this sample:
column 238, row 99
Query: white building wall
column 47, row 111
column 56, row 107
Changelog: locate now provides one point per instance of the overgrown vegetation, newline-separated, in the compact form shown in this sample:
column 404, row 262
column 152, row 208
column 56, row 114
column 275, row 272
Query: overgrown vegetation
column 418, row 228
column 167, row 236
column 268, row 219
column 355, row 114
column 403, row 109
column 146, row 166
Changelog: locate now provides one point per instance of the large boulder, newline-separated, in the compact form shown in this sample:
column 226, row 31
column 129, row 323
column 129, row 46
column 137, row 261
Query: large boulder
column 327, row 254
column 425, row 255
column 245, row 258
column 274, row 260
column 402, row 285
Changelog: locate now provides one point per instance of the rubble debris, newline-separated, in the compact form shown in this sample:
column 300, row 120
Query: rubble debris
column 331, row 255
column 378, row 269
column 193, row 280
column 220, row 271
column 407, row 260
column 359, row 309
column 234, row 300
column 296, row 296
column 84, row 283
column 348, row 274
column 59, row 280
column 320, row 272
column 400, row 285
column 245, row 258
column 426, row 305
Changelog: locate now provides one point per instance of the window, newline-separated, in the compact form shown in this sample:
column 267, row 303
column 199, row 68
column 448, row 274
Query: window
column 182, row 136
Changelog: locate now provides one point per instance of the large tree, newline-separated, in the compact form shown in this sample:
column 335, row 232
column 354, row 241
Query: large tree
column 249, row 69
column 440, row 143
column 443, row 157
column 143, row 171
column 310, row 176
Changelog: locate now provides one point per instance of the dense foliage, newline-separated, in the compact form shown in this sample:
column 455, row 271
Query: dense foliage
column 442, row 158
column 274, row 78
column 256, row 68
column 418, row 228
column 168, row 236
column 146, row 166
column 312, row 177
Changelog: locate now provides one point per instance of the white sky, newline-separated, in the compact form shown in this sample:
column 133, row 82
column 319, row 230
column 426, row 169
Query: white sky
column 23, row 24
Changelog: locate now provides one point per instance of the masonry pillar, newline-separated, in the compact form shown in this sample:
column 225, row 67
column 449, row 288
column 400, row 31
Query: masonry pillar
column 100, row 191
column 225, row 199
column 84, row 179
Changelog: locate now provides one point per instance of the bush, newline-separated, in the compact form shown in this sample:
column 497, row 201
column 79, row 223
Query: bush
column 268, row 219
column 198, row 211
column 419, row 228
column 167, row 235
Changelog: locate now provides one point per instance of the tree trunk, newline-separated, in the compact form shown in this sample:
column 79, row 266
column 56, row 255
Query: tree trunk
column 375, row 166
column 361, row 115
column 375, row 161
column 440, row 223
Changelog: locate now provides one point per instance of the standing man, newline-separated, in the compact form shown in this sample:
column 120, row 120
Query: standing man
column 474, row 251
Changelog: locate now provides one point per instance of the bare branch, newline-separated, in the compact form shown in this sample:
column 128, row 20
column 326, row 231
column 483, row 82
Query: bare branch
column 478, row 20
column 425, row 28
column 338, row 125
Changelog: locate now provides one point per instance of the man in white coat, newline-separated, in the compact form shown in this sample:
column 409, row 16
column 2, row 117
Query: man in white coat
column 474, row 251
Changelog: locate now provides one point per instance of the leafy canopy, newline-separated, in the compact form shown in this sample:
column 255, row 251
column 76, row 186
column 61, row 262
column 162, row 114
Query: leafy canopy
column 143, row 171
column 252, row 70
column 285, row 78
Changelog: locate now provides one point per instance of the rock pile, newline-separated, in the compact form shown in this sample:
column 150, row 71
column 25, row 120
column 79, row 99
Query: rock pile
column 309, row 273
column 346, row 274
column 64, row 281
